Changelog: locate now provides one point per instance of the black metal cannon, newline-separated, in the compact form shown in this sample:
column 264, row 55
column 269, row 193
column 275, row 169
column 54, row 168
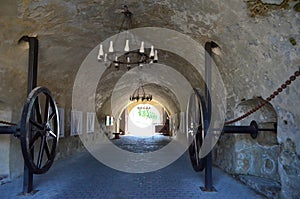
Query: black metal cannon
column 38, row 129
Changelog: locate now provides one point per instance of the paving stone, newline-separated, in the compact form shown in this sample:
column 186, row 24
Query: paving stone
column 82, row 176
column 142, row 144
column 264, row 186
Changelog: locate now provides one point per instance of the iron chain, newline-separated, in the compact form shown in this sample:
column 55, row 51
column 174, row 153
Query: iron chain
column 7, row 123
column 270, row 98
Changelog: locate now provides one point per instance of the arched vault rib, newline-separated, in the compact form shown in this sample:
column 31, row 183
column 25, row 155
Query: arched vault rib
column 161, row 95
column 164, row 93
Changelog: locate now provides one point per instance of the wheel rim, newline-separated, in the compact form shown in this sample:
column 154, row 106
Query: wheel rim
column 195, row 129
column 193, row 117
column 39, row 130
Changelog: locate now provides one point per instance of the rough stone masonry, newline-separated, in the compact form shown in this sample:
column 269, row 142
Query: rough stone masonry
column 260, row 49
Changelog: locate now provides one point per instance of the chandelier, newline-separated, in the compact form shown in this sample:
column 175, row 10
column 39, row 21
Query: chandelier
column 127, row 57
column 139, row 94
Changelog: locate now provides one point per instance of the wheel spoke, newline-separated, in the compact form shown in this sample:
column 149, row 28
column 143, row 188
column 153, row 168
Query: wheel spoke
column 39, row 126
column 35, row 129
column 38, row 110
column 196, row 150
column 47, row 150
column 46, row 116
column 52, row 116
column 33, row 140
column 52, row 133
column 41, row 152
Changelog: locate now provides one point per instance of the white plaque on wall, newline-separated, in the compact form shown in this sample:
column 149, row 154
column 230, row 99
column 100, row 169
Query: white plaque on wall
column 76, row 122
column 107, row 120
column 90, row 122
column 61, row 113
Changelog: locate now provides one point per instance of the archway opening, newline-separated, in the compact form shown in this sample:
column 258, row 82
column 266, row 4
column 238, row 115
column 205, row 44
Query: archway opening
column 144, row 119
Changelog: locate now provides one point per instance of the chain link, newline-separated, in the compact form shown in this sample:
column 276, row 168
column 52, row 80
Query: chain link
column 270, row 98
column 7, row 123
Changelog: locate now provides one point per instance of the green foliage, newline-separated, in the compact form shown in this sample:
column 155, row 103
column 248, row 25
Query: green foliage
column 146, row 113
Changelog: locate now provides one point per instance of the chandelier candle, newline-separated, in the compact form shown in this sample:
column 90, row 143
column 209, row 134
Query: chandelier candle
column 129, row 57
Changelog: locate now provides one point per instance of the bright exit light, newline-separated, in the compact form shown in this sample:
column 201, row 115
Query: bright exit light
column 142, row 120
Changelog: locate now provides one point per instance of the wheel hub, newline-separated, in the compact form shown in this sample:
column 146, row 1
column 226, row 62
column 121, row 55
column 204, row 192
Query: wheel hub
column 47, row 129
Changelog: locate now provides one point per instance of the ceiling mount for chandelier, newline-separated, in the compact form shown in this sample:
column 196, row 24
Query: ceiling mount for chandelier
column 140, row 94
column 127, row 57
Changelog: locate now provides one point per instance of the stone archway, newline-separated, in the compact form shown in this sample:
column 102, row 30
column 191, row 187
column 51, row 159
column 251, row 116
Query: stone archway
column 258, row 157
column 255, row 161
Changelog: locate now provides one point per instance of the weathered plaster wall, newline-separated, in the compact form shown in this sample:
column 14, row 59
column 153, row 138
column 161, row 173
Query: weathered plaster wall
column 257, row 56
column 248, row 156
column 5, row 114
column 260, row 58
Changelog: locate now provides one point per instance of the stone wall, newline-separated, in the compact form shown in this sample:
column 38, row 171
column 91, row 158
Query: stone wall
column 5, row 115
column 261, row 57
column 248, row 156
column 259, row 52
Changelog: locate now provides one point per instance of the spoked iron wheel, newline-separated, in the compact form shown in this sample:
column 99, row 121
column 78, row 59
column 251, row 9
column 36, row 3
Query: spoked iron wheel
column 195, row 130
column 197, row 162
column 39, row 130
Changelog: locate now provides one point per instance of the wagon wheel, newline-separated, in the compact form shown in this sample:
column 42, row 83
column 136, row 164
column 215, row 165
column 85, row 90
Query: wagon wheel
column 39, row 130
column 195, row 130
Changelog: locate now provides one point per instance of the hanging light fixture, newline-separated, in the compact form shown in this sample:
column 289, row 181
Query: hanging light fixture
column 140, row 94
column 127, row 57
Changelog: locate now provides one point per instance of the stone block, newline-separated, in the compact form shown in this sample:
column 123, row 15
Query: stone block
column 275, row 2
column 256, row 160
column 264, row 186
column 289, row 167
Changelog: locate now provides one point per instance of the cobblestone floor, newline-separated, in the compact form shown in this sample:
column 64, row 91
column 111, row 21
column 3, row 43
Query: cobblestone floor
column 142, row 144
column 82, row 176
